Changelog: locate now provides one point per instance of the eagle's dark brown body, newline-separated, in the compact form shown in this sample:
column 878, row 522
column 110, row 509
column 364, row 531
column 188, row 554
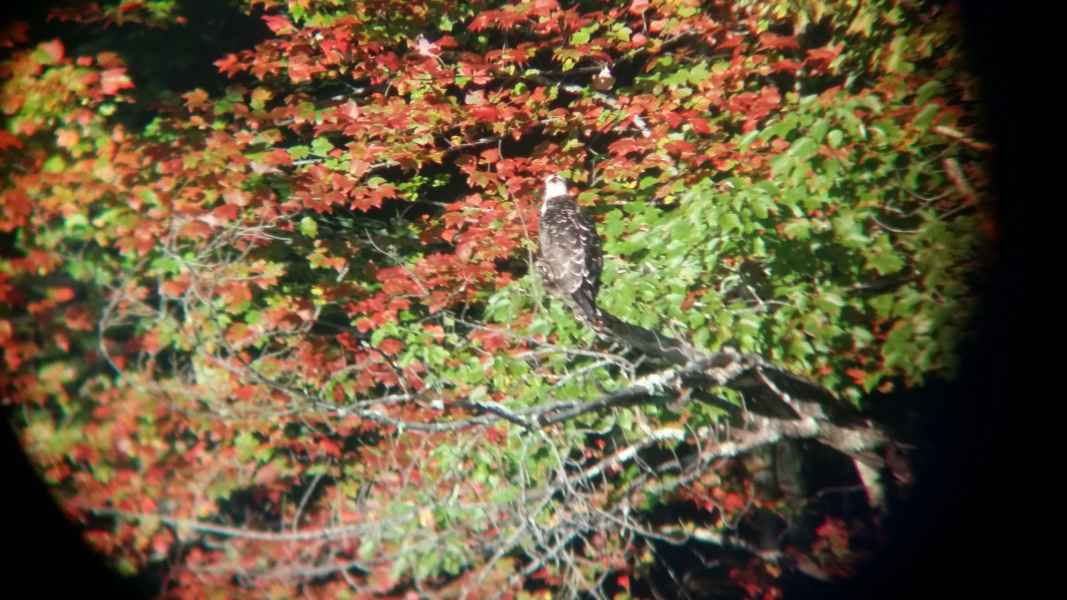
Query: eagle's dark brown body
column 571, row 258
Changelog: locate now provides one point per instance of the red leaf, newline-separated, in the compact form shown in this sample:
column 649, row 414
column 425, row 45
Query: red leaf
column 787, row 66
column 490, row 340
column 175, row 287
column 349, row 110
column 856, row 375
column 778, row 42
column 495, row 435
column 130, row 6
column 53, row 50
column 235, row 197
column 624, row 146
column 679, row 148
column 486, row 113
column 229, row 65
column 381, row 579
column 224, row 213
column 638, row 6
column 63, row 294
column 733, row 502
column 150, row 342
column 113, row 80
column 279, row 24
column 825, row 54
column 391, row 347
column 245, row 392
column 237, row 294
column 8, row 140
column 78, row 319
column 699, row 125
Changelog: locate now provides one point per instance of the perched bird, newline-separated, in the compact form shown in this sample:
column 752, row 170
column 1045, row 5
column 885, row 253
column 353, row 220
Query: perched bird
column 570, row 259
column 603, row 80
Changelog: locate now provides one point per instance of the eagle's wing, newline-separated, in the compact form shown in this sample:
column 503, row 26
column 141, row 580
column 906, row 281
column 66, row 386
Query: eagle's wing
column 571, row 257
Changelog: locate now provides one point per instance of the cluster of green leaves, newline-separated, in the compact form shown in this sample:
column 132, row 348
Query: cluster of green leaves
column 285, row 306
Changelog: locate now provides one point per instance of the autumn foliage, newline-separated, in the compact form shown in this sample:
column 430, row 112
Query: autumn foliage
column 277, row 333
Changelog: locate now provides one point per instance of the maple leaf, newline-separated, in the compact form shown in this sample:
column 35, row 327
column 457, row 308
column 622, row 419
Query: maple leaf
column 196, row 99
column 229, row 65
column 67, row 138
column 624, row 146
column 485, row 113
column 825, row 54
column 778, row 42
column 114, row 80
column 638, row 7
column 391, row 346
column 279, row 24
column 52, row 51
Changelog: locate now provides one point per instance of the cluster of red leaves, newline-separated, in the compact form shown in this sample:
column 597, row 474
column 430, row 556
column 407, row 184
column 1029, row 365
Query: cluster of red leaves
column 758, row 580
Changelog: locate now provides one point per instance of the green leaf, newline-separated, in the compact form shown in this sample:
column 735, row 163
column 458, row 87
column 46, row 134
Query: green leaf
column 818, row 130
column 246, row 445
column 830, row 303
column 803, row 148
column 309, row 228
column 583, row 35
column 849, row 231
column 55, row 164
column 885, row 262
column 321, row 146
column 928, row 90
column 729, row 221
column 699, row 73
column 797, row 229
column 742, row 144
column 925, row 118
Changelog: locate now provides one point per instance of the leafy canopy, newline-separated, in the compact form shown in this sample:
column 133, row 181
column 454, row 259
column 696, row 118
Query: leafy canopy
column 272, row 334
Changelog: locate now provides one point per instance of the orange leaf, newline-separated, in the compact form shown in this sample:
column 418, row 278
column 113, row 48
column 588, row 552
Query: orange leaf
column 196, row 99
column 67, row 138
column 390, row 346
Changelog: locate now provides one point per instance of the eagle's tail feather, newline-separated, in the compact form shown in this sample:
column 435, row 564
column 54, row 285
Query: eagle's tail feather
column 590, row 312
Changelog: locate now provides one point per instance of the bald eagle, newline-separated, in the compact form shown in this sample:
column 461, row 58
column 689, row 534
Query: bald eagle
column 570, row 259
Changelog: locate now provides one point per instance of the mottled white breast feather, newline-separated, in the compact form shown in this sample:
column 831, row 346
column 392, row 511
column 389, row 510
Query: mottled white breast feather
column 570, row 259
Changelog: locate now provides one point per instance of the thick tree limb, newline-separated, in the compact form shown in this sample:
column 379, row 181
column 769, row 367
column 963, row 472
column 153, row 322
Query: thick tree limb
column 769, row 391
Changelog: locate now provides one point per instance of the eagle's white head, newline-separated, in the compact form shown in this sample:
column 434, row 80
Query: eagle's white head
column 555, row 186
